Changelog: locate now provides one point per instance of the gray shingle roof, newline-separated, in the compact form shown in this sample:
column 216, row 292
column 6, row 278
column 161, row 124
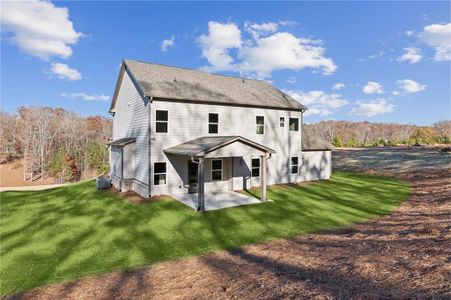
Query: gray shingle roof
column 312, row 141
column 203, row 145
column 160, row 81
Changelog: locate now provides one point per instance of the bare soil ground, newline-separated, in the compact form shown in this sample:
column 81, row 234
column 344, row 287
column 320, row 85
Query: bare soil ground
column 11, row 174
column 402, row 255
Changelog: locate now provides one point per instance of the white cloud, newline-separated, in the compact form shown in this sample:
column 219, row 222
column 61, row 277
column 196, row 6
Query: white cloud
column 86, row 97
column 39, row 28
column 395, row 93
column 373, row 87
column 372, row 108
column 65, row 72
column 318, row 102
column 410, row 32
column 216, row 44
column 410, row 86
column 338, row 86
column 412, row 55
column 260, row 56
column 257, row 30
column 165, row 44
column 438, row 36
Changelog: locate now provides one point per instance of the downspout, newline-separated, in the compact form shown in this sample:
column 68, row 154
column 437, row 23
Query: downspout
column 149, row 100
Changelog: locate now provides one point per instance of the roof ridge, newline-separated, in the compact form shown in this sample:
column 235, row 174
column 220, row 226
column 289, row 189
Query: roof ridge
column 194, row 70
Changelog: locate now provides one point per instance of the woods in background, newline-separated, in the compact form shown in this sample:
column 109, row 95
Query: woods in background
column 55, row 142
column 366, row 134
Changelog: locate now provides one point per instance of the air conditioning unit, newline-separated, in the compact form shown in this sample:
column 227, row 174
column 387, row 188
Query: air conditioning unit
column 103, row 183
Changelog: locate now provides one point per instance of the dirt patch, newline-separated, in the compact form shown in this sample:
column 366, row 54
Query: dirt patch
column 402, row 255
column 135, row 198
column 11, row 174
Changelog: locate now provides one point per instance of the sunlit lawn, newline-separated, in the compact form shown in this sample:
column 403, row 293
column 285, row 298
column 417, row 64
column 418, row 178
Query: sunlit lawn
column 74, row 231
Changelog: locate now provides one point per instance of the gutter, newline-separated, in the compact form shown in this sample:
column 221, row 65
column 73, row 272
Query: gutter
column 149, row 101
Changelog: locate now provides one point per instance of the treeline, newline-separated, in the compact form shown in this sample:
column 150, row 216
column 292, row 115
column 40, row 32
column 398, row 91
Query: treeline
column 366, row 134
column 55, row 142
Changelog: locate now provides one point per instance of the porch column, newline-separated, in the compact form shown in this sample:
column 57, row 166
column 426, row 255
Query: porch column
column 201, row 185
column 263, row 178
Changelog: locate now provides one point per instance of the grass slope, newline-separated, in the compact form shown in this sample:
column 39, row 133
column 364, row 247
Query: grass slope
column 74, row 231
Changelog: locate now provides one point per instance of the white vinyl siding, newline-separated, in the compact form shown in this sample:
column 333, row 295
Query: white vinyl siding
column 132, row 120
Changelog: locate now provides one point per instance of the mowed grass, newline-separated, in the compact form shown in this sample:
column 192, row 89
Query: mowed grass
column 75, row 231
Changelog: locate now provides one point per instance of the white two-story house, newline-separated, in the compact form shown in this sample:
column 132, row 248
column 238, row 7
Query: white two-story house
column 179, row 131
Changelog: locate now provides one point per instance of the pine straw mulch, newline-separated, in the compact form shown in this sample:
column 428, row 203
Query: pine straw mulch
column 402, row 255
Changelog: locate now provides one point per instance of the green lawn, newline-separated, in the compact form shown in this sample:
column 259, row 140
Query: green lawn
column 74, row 231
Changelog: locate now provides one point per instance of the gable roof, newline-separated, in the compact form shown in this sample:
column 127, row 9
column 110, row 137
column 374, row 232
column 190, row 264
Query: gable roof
column 201, row 146
column 312, row 141
column 186, row 85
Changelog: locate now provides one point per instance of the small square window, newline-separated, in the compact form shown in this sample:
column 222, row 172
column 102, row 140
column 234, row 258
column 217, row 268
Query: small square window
column 294, row 124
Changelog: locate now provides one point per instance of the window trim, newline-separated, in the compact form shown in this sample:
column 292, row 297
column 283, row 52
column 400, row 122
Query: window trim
column 282, row 122
column 289, row 123
column 292, row 165
column 252, row 168
column 222, row 169
column 165, row 174
column 259, row 125
column 213, row 123
column 157, row 121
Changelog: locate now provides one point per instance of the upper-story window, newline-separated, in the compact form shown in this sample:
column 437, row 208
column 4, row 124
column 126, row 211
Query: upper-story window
column 294, row 124
column 161, row 121
column 213, row 123
column 282, row 122
column 260, row 124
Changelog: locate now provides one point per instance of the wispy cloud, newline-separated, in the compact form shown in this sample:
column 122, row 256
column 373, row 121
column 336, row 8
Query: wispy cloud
column 63, row 71
column 86, row 97
column 372, row 108
column 410, row 86
column 318, row 102
column 411, row 54
column 373, row 87
column 165, row 44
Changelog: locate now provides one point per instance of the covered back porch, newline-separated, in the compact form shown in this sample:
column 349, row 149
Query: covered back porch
column 223, row 157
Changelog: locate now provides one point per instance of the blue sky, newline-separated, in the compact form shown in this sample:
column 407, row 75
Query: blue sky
column 375, row 61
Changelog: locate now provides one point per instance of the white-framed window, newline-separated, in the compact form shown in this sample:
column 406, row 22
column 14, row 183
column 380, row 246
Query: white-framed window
column 282, row 122
column 216, row 169
column 213, row 123
column 255, row 167
column 294, row 124
column 161, row 121
column 294, row 165
column 159, row 173
column 260, row 121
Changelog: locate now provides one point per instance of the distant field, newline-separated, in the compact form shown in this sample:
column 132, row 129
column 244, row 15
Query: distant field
column 391, row 160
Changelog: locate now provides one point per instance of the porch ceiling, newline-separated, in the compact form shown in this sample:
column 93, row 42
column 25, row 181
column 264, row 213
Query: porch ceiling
column 202, row 146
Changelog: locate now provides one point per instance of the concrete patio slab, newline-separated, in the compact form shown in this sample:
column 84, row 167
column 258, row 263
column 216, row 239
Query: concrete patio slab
column 217, row 200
